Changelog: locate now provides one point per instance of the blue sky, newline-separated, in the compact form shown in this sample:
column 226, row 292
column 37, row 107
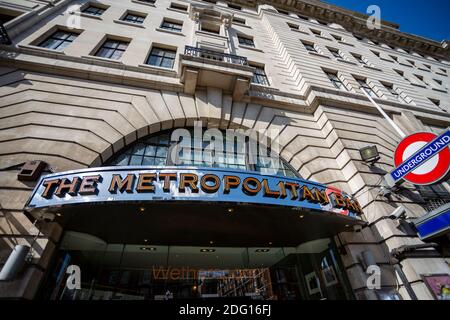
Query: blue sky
column 409, row 14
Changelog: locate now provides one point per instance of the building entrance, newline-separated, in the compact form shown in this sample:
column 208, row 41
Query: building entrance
column 120, row 271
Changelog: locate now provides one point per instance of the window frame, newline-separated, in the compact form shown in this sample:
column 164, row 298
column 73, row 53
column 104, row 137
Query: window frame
column 163, row 57
column 114, row 49
column 62, row 41
column 260, row 75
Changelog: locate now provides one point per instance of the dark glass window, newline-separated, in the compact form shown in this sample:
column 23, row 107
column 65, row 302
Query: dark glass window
column 336, row 37
column 336, row 53
column 157, row 150
column 178, row 6
column 171, row 25
column 337, row 83
column 233, row 6
column 58, row 40
column 365, row 86
column 359, row 58
column 238, row 20
column 309, row 46
column 260, row 77
column 112, row 49
column 133, row 18
column 246, row 41
column 161, row 57
column 394, row 92
column 96, row 11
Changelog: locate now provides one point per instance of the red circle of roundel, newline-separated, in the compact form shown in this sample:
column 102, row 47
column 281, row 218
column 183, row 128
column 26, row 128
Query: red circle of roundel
column 434, row 175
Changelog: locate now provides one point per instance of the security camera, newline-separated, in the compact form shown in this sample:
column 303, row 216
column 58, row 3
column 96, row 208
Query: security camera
column 398, row 213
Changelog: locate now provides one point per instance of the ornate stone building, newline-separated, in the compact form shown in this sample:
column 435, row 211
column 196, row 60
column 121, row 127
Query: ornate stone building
column 91, row 84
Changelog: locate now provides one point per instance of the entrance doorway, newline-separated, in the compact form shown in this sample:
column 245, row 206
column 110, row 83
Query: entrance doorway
column 120, row 271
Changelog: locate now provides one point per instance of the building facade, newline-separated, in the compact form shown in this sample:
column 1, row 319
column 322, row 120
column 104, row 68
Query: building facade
column 100, row 86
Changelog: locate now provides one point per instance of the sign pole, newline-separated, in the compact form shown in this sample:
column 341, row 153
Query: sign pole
column 384, row 114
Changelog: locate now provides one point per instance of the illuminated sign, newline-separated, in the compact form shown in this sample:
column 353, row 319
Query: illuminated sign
column 422, row 158
column 109, row 184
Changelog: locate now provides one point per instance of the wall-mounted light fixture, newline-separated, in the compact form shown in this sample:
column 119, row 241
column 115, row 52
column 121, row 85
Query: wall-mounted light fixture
column 369, row 154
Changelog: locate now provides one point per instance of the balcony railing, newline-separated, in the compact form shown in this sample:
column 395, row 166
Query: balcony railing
column 214, row 55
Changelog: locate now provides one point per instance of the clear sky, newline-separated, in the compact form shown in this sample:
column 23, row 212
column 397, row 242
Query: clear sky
column 426, row 18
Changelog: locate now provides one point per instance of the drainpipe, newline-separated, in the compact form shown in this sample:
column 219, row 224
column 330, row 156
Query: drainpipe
column 401, row 253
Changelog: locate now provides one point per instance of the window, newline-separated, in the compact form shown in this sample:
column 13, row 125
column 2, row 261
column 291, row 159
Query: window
column 161, row 57
column 58, row 40
column 443, row 70
column 112, row 49
column 411, row 62
column 156, row 150
column 436, row 102
column 238, row 20
column 177, row 6
column 293, row 26
column 392, row 47
column 246, row 41
column 309, row 46
column 336, row 53
column 376, row 53
column 337, row 83
column 420, row 78
column 394, row 58
column 336, row 37
column 316, row 32
column 439, row 82
column 259, row 76
column 133, row 18
column 359, row 58
column 171, row 25
column 93, row 10
column 147, row 1
column 283, row 12
column 366, row 88
column 375, row 42
column 233, row 6
column 427, row 66
column 322, row 22
column 390, row 87
column 358, row 37
column 303, row 17
column 210, row 1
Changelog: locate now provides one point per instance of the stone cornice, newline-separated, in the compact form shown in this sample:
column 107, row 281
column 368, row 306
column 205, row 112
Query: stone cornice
column 355, row 22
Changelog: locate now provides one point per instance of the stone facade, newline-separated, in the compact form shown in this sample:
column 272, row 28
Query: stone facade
column 72, row 109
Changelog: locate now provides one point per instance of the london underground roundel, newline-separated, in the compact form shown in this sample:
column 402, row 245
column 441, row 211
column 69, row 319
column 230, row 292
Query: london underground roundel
column 431, row 171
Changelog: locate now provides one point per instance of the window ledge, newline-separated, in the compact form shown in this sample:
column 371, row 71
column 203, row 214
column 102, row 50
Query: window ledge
column 346, row 61
column 178, row 33
column 177, row 10
column 161, row 70
column 423, row 69
column 388, row 60
column 439, row 90
column 299, row 31
column 102, row 59
column 263, row 87
column 33, row 47
column 418, row 85
column 325, row 38
column 241, row 25
column 318, row 54
column 87, row 15
column 249, row 48
column 129, row 23
column 144, row 3
column 346, row 43
column 372, row 68
column 406, row 65
column 441, row 74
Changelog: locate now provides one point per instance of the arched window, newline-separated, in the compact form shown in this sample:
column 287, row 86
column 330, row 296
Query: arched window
column 158, row 150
